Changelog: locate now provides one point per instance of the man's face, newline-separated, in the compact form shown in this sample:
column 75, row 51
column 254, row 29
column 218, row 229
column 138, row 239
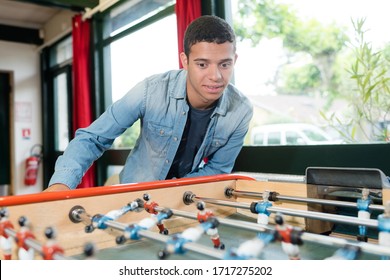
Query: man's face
column 210, row 68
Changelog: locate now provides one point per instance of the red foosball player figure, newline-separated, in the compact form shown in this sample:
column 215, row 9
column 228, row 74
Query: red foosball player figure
column 25, row 252
column 51, row 247
column 150, row 207
column 203, row 216
column 290, row 238
column 6, row 241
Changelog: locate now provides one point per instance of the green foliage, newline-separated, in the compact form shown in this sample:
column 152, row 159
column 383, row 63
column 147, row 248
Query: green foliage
column 267, row 19
column 129, row 137
column 370, row 99
column 300, row 80
column 316, row 39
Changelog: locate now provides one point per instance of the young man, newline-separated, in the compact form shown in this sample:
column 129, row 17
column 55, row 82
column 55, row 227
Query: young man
column 193, row 121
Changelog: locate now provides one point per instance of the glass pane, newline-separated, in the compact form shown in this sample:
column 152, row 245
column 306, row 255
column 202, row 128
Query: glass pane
column 274, row 138
column 61, row 52
column 61, row 111
column 293, row 138
column 324, row 63
column 132, row 12
column 135, row 57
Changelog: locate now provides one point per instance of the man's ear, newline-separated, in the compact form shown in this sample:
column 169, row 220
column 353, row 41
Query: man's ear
column 184, row 60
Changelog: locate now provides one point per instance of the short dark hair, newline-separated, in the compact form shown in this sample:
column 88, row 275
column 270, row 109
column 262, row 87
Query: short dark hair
column 211, row 29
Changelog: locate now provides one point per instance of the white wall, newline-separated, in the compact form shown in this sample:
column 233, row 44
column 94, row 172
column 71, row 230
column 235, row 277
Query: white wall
column 23, row 61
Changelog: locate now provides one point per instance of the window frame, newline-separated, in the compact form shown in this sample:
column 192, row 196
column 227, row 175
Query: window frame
column 48, row 74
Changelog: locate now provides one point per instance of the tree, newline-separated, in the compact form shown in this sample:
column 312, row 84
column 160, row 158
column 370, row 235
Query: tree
column 260, row 19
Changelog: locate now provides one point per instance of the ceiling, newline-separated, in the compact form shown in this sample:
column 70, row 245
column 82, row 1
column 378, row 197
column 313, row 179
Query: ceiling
column 21, row 20
column 34, row 14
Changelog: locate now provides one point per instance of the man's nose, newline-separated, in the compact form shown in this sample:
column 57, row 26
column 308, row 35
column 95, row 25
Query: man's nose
column 214, row 73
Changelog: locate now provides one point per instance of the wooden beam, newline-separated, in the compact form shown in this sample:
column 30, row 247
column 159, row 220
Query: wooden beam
column 74, row 5
column 20, row 35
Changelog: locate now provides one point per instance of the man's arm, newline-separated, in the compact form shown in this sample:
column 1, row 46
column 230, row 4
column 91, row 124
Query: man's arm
column 57, row 187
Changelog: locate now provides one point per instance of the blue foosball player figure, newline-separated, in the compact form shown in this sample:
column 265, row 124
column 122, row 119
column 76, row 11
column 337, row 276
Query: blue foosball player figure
column 363, row 205
column 384, row 228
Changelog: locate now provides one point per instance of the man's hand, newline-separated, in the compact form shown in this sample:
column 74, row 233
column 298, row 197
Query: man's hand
column 57, row 187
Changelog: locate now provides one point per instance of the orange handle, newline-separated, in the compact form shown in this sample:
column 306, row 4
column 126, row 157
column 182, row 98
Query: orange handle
column 60, row 195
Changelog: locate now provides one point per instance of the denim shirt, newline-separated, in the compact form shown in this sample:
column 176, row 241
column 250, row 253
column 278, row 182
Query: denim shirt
column 160, row 103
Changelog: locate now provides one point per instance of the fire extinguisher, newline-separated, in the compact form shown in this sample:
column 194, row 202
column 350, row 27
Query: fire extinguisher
column 32, row 164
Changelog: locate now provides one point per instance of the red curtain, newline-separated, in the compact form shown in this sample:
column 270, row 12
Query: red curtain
column 82, row 111
column 186, row 11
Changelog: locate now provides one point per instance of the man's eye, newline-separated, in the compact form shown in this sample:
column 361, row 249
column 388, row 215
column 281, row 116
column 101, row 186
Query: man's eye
column 202, row 65
column 226, row 65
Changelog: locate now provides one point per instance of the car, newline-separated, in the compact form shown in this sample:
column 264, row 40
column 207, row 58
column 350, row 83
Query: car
column 290, row 134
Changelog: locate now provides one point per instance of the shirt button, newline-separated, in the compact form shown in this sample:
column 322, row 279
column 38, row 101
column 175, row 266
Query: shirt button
column 161, row 132
column 166, row 161
column 174, row 138
column 183, row 113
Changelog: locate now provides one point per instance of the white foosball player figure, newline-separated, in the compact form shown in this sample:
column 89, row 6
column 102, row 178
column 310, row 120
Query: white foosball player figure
column 24, row 252
column 384, row 228
column 6, row 241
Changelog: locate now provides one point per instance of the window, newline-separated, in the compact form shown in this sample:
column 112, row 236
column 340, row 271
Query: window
column 293, row 138
column 61, row 111
column 274, row 138
column 323, row 62
column 147, row 47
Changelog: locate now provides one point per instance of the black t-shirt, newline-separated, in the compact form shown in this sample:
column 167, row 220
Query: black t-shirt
column 193, row 134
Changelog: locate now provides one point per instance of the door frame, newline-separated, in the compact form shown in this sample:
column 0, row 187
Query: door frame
column 11, row 122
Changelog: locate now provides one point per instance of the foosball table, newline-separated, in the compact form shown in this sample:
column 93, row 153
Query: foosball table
column 234, row 216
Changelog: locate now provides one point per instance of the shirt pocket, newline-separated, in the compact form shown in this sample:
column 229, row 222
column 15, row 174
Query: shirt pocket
column 216, row 143
column 158, row 137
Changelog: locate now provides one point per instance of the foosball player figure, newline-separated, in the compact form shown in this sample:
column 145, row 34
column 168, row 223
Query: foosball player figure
column 261, row 209
column 290, row 237
column 131, row 232
column 24, row 252
column 89, row 251
column 132, row 206
column 253, row 248
column 99, row 221
column 175, row 244
column 203, row 215
column 363, row 205
column 384, row 228
column 51, row 247
column 348, row 252
column 150, row 207
column 6, row 241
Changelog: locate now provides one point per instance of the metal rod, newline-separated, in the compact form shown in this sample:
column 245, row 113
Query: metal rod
column 306, row 200
column 322, row 239
column 298, row 213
